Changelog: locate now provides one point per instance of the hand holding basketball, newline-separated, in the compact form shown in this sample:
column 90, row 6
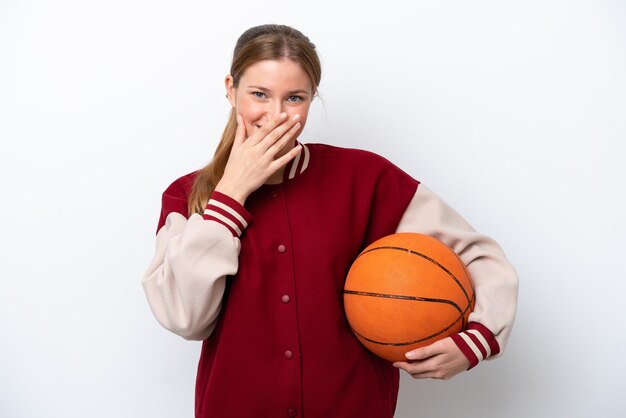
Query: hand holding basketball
column 406, row 291
column 439, row 360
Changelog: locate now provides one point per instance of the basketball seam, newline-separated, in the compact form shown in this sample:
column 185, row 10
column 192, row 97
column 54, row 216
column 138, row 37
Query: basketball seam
column 461, row 317
column 424, row 256
column 402, row 297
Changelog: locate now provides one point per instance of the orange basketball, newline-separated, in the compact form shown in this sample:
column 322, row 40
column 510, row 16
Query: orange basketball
column 406, row 291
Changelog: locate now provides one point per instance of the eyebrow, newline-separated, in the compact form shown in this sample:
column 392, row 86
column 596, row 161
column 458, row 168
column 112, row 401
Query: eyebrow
column 265, row 90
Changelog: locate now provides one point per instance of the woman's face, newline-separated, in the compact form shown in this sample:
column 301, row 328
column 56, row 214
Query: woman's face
column 268, row 88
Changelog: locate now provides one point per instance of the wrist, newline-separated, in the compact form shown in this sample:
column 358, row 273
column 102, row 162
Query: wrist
column 477, row 343
column 232, row 192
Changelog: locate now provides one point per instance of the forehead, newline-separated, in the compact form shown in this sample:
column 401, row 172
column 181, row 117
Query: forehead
column 276, row 75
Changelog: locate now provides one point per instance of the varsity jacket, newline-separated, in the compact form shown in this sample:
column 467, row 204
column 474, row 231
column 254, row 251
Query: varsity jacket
column 262, row 285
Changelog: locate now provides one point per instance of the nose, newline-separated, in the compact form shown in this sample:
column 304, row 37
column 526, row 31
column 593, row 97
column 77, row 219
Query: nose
column 274, row 107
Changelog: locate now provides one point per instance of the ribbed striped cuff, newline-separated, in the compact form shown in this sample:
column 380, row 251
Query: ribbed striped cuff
column 477, row 343
column 227, row 211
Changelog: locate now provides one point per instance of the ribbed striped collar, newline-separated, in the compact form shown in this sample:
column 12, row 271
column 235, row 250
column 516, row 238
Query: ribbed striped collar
column 297, row 166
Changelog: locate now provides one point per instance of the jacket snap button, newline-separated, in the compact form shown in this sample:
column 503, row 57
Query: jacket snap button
column 292, row 412
column 288, row 354
column 285, row 298
column 282, row 248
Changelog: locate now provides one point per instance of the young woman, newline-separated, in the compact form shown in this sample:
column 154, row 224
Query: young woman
column 253, row 250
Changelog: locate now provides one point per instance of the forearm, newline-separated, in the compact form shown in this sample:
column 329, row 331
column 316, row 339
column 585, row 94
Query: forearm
column 185, row 281
column 495, row 280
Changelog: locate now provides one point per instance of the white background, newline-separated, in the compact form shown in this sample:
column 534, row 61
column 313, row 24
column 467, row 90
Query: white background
column 513, row 112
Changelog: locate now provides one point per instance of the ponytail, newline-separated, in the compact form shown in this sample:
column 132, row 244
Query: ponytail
column 209, row 176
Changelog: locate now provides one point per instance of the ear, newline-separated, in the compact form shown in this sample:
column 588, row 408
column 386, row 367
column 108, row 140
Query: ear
column 229, row 83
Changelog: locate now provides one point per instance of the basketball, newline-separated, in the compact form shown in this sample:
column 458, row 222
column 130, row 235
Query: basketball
column 406, row 291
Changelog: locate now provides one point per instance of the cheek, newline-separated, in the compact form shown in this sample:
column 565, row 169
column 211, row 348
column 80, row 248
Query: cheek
column 303, row 123
column 250, row 119
column 304, row 113
column 250, row 111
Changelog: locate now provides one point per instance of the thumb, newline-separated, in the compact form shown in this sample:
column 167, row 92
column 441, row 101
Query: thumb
column 240, row 134
column 423, row 352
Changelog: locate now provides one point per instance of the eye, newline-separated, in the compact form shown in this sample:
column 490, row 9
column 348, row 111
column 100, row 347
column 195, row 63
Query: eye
column 258, row 94
column 294, row 99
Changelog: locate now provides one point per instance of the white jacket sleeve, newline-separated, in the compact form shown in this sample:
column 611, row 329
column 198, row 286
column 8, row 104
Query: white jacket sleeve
column 494, row 278
column 185, row 282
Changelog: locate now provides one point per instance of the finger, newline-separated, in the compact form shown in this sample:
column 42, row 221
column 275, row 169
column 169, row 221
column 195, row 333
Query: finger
column 287, row 136
column 414, row 368
column 268, row 128
column 240, row 133
column 282, row 161
column 435, row 374
column 273, row 137
column 422, row 369
column 426, row 375
column 423, row 352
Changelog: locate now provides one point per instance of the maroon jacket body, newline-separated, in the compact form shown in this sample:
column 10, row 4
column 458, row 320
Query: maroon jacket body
column 282, row 345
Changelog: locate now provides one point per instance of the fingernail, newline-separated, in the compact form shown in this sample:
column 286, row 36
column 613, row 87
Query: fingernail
column 410, row 355
column 283, row 115
column 297, row 126
column 296, row 117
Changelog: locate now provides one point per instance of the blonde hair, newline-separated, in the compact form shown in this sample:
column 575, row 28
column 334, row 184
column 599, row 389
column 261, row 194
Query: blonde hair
column 264, row 42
